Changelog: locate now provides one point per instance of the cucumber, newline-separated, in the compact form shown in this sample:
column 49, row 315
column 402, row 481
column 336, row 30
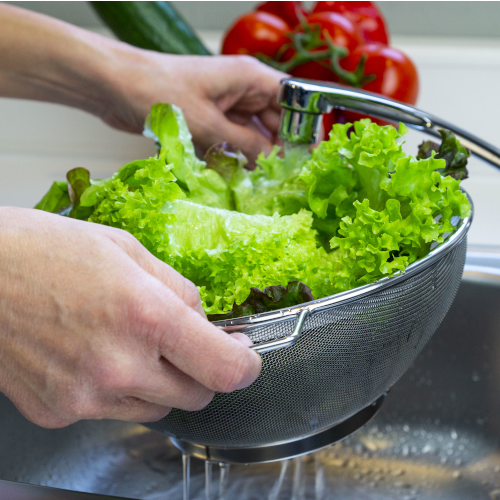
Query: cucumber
column 150, row 25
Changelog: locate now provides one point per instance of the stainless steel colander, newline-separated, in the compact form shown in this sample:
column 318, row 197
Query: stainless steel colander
column 327, row 364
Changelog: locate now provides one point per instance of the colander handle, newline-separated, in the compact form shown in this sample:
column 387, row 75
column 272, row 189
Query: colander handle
column 274, row 345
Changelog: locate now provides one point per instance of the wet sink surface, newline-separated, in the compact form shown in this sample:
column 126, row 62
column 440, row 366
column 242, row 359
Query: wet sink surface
column 437, row 435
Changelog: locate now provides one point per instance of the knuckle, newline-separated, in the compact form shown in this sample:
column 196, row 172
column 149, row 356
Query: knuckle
column 77, row 408
column 129, row 242
column 248, row 61
column 113, row 376
column 48, row 418
column 73, row 405
column 143, row 316
column 52, row 421
column 153, row 415
column 191, row 294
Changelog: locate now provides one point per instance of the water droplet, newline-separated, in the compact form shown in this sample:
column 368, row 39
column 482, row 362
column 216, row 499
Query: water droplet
column 456, row 474
column 476, row 377
column 428, row 448
column 314, row 422
column 453, row 434
column 406, row 428
column 405, row 450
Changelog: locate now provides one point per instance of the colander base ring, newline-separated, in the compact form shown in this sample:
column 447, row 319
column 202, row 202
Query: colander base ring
column 281, row 451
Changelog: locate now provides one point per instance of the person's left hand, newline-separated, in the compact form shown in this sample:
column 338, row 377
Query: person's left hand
column 224, row 98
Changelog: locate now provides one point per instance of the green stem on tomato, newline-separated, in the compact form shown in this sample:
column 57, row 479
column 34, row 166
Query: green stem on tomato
column 306, row 47
column 355, row 78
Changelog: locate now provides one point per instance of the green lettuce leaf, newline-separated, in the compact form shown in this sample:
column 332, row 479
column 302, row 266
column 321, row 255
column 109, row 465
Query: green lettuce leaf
column 166, row 124
column 273, row 187
column 378, row 243
column 56, row 200
column 226, row 253
column 354, row 210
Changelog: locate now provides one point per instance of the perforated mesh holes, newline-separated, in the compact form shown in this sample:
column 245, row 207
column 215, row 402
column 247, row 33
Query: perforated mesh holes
column 346, row 357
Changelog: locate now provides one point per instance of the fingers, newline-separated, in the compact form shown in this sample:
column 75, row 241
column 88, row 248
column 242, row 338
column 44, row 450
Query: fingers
column 215, row 359
column 167, row 386
column 198, row 350
column 181, row 286
column 270, row 118
column 131, row 409
column 249, row 139
column 241, row 337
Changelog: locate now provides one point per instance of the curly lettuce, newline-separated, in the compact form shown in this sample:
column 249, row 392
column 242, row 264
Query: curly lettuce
column 307, row 225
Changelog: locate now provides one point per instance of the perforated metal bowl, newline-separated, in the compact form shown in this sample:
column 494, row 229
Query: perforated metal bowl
column 328, row 363
column 335, row 356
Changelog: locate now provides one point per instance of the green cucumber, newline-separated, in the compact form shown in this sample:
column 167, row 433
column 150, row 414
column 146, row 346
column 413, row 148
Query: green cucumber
column 151, row 25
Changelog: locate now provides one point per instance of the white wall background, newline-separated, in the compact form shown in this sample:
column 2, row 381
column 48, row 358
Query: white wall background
column 469, row 19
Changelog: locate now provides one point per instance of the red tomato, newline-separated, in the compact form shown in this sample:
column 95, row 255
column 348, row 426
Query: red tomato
column 364, row 15
column 256, row 33
column 287, row 10
column 314, row 71
column 396, row 75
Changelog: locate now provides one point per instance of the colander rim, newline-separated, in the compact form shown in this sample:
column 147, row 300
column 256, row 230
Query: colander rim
column 357, row 293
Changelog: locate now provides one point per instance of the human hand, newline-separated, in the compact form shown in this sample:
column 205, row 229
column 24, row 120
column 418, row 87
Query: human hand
column 93, row 326
column 224, row 98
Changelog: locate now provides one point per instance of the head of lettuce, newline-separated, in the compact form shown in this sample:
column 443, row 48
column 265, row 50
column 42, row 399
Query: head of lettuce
column 356, row 209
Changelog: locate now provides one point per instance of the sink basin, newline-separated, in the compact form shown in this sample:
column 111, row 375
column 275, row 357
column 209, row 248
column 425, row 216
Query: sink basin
column 437, row 435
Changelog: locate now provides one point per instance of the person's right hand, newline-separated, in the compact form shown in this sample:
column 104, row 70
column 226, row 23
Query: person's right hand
column 93, row 326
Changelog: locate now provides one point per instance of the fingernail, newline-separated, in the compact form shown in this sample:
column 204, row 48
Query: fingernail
column 241, row 337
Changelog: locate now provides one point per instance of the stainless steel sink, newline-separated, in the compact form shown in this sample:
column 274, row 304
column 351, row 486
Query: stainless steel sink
column 437, row 435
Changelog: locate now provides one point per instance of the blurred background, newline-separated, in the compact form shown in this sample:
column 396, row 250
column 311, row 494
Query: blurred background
column 454, row 45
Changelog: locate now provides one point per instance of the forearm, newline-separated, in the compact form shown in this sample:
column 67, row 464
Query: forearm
column 45, row 59
column 223, row 98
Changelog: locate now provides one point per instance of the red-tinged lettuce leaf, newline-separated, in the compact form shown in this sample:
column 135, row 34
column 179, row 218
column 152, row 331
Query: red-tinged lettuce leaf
column 78, row 182
column 270, row 299
column 451, row 151
column 56, row 200
column 225, row 159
